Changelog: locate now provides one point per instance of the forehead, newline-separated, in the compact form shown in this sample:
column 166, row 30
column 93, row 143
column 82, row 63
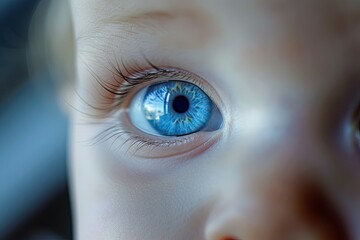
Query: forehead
column 128, row 7
column 308, row 19
column 321, row 33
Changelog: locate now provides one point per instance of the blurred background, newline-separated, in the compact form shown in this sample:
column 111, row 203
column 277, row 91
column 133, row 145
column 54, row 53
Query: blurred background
column 34, row 198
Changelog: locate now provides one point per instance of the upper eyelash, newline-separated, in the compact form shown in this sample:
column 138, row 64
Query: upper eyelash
column 126, row 78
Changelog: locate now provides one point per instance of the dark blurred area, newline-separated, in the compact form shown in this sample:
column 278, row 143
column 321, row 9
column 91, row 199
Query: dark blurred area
column 34, row 199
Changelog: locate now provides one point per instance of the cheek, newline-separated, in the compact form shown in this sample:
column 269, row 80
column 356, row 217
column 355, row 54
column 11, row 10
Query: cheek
column 114, row 197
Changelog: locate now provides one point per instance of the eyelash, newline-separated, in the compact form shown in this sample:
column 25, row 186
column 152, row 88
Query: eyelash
column 131, row 77
column 126, row 79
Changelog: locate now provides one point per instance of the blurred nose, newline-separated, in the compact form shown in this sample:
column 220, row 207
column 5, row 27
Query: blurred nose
column 286, row 199
column 278, row 209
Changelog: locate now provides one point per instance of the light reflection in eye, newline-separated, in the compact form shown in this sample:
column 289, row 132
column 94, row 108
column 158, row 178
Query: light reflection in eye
column 174, row 108
column 156, row 103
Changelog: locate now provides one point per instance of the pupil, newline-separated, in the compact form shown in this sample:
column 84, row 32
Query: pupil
column 180, row 104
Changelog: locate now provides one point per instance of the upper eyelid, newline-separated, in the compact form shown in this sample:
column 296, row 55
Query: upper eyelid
column 149, row 76
column 135, row 76
column 125, row 78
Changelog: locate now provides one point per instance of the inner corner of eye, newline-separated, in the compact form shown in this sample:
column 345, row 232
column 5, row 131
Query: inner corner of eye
column 173, row 108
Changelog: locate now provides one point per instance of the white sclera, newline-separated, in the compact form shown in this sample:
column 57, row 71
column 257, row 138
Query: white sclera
column 136, row 113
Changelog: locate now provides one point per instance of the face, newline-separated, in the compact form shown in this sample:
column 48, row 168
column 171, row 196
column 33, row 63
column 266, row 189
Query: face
column 211, row 120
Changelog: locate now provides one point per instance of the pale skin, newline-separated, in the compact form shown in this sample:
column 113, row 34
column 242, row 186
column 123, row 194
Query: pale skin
column 285, row 163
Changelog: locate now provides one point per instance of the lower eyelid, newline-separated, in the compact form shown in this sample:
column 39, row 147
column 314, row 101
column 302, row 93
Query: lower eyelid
column 185, row 148
column 133, row 143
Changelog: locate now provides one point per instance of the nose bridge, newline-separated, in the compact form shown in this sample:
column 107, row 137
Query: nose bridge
column 278, row 136
column 277, row 118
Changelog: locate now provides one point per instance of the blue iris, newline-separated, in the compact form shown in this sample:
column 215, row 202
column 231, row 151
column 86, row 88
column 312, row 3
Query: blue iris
column 176, row 108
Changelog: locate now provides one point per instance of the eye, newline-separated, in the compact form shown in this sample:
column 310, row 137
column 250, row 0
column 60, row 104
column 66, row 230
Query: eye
column 174, row 108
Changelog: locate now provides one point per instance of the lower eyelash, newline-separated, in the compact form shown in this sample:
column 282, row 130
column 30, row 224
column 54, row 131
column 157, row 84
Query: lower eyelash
column 115, row 132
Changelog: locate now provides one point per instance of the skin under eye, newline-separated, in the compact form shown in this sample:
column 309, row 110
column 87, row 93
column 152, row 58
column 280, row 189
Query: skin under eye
column 174, row 108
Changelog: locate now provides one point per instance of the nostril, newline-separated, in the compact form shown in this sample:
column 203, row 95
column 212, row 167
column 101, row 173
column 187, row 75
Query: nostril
column 229, row 238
